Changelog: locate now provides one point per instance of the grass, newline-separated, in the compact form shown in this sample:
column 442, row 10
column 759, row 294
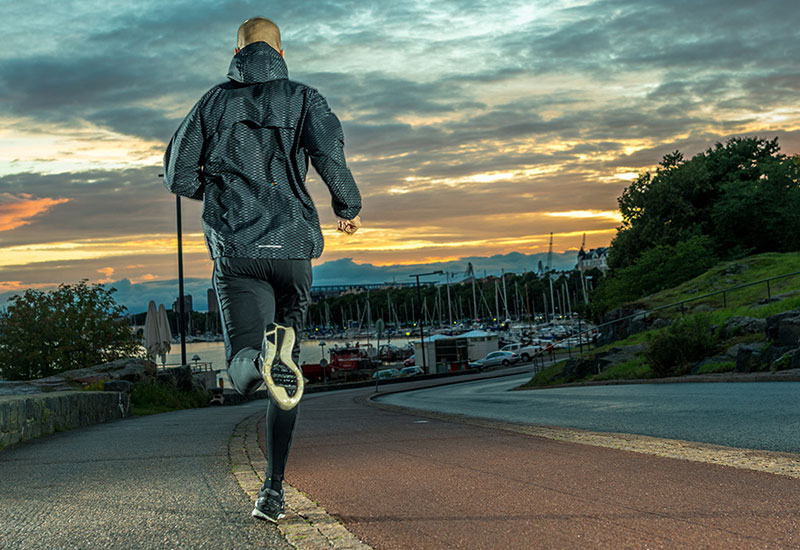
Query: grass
column 733, row 273
column 155, row 397
column 632, row 369
column 546, row 377
column 739, row 303
column 710, row 368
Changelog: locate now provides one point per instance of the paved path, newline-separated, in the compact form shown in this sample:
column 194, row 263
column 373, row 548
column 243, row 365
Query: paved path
column 161, row 481
column 400, row 481
column 753, row 415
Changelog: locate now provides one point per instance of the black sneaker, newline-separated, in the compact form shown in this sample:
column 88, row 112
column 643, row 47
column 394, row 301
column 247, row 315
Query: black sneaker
column 283, row 378
column 269, row 505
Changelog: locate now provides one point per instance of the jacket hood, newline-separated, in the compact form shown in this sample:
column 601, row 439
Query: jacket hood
column 257, row 62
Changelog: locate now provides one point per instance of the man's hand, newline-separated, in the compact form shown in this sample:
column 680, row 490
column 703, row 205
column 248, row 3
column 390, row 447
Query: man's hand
column 350, row 226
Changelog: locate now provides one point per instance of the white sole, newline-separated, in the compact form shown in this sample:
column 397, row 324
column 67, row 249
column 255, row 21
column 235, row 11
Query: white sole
column 256, row 513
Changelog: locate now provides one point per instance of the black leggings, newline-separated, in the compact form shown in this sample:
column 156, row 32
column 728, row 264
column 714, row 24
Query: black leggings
column 252, row 293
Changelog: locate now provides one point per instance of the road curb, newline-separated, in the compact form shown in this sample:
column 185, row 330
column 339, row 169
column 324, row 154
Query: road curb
column 306, row 526
column 772, row 462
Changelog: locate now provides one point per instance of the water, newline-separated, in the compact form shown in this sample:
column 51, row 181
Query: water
column 310, row 350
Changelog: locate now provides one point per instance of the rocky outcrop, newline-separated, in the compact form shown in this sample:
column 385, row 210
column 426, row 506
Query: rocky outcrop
column 743, row 325
column 580, row 367
column 621, row 329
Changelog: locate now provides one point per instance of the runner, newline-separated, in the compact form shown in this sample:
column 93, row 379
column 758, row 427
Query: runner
column 243, row 150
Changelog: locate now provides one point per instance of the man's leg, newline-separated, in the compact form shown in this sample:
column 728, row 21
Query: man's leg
column 247, row 305
column 291, row 280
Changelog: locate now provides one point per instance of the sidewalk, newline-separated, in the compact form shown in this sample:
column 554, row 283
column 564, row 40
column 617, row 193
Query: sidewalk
column 398, row 481
column 161, row 481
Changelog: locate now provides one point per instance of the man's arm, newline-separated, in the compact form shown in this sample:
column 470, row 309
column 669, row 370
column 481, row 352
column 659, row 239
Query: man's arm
column 183, row 159
column 324, row 140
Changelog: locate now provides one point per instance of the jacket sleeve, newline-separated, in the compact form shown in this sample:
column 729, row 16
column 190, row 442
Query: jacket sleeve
column 324, row 140
column 183, row 158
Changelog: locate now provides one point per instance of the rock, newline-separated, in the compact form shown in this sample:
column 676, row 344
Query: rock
column 702, row 308
column 578, row 367
column 622, row 329
column 794, row 363
column 127, row 368
column 774, row 322
column 743, row 325
column 749, row 358
column 789, row 332
column 783, row 362
column 732, row 352
column 123, row 386
column 774, row 353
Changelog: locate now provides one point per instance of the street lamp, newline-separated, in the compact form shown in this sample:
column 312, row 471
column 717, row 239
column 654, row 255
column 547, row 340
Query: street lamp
column 419, row 309
column 323, row 363
column 180, row 278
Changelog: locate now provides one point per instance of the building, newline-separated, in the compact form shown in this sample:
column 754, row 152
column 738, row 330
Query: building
column 594, row 258
column 214, row 319
column 187, row 311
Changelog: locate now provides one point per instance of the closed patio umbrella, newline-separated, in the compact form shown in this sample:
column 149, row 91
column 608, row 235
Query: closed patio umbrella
column 164, row 334
column 151, row 338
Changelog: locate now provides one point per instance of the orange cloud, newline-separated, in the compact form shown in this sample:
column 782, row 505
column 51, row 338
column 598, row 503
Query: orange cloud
column 15, row 210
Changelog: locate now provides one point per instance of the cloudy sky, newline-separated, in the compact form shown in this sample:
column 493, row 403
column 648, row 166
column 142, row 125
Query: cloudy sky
column 474, row 128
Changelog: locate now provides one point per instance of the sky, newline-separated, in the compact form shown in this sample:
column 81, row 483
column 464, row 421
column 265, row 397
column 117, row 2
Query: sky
column 473, row 128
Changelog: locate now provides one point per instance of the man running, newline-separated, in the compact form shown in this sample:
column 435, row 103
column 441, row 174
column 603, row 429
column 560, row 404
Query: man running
column 243, row 150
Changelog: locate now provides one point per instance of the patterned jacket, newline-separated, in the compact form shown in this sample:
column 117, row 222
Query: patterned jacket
column 244, row 149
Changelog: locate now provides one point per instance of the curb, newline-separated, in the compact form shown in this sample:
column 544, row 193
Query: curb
column 772, row 462
column 306, row 526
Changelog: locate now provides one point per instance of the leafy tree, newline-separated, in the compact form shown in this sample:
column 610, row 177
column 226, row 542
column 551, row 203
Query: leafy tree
column 663, row 266
column 742, row 194
column 74, row 326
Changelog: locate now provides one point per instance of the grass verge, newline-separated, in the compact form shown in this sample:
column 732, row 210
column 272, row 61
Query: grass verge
column 153, row 397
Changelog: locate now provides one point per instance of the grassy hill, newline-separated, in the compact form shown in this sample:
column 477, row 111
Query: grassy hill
column 704, row 315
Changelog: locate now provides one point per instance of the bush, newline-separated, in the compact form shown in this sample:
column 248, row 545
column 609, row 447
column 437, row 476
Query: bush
column 672, row 351
column 72, row 327
column 661, row 267
column 154, row 396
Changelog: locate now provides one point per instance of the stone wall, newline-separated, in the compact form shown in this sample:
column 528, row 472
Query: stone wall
column 27, row 416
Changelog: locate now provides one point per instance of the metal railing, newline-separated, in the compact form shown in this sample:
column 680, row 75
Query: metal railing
column 643, row 314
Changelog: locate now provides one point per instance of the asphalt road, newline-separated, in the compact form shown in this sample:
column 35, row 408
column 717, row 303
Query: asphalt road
column 753, row 415
column 401, row 481
column 160, row 481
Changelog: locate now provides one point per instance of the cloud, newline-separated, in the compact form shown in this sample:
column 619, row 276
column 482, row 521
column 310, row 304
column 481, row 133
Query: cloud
column 17, row 210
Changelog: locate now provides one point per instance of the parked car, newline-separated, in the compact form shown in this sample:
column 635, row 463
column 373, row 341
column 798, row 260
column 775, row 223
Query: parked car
column 385, row 374
column 495, row 359
column 526, row 353
column 411, row 371
column 410, row 362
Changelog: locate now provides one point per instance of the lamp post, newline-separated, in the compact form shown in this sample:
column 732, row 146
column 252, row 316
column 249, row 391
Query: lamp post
column 180, row 279
column 419, row 310
column 323, row 363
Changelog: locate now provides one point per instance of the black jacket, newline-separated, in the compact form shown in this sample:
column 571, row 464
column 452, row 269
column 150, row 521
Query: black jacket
column 243, row 150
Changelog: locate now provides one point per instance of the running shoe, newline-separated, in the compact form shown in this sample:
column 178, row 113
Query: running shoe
column 284, row 379
column 269, row 505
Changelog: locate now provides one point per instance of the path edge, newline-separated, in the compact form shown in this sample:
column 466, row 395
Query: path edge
column 307, row 526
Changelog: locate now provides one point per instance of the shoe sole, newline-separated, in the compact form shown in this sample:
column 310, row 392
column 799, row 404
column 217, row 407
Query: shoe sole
column 277, row 344
column 258, row 514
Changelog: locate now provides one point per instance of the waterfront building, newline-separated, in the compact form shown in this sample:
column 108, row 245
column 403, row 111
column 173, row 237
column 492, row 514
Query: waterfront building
column 594, row 258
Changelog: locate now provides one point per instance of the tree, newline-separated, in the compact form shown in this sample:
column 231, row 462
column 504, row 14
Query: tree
column 74, row 326
column 741, row 194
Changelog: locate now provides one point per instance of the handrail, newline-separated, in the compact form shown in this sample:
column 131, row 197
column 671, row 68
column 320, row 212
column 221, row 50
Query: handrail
column 723, row 291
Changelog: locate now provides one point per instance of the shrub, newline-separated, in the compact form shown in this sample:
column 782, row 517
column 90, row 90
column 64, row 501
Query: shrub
column 154, row 396
column 672, row 351
column 72, row 327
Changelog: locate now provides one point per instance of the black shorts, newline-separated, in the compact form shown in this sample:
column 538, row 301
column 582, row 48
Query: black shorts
column 254, row 292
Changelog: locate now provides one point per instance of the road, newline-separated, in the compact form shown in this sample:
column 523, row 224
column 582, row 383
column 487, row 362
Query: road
column 153, row 482
column 754, row 415
column 400, row 481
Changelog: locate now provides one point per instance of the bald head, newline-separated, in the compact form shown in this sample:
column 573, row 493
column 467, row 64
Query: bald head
column 259, row 29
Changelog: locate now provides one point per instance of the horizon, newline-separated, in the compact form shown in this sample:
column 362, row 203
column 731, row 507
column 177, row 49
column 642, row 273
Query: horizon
column 472, row 131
